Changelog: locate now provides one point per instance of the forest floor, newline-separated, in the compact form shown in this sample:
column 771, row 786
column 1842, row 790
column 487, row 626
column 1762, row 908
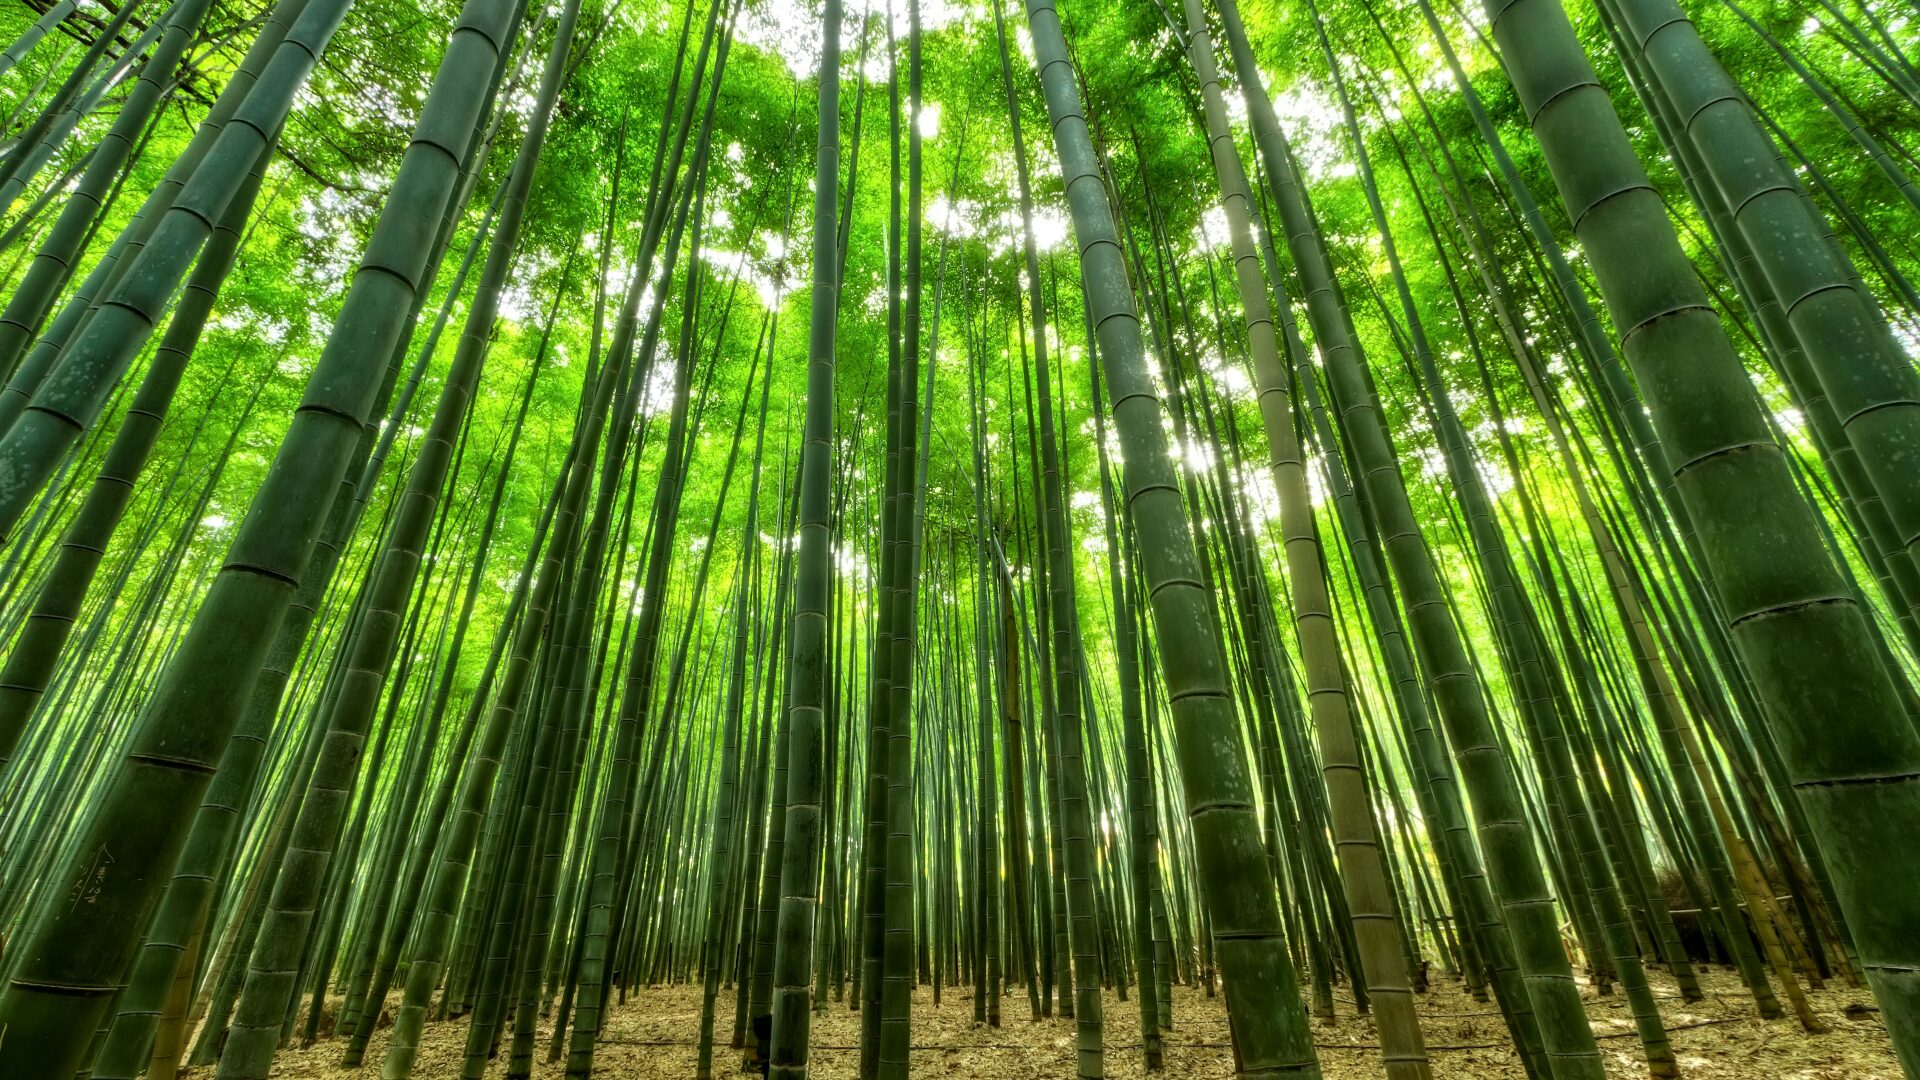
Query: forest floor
column 654, row 1037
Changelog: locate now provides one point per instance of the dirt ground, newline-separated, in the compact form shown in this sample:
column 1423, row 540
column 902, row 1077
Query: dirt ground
column 653, row 1037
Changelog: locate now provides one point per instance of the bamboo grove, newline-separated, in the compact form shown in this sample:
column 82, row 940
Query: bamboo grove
column 504, row 507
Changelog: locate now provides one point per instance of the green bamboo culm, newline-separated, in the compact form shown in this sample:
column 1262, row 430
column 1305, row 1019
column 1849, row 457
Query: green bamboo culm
column 1069, row 713
column 440, row 875
column 900, row 965
column 1535, row 676
column 276, row 959
column 807, row 670
column 23, row 679
column 37, row 651
column 1514, row 869
column 62, row 110
column 69, row 400
column 22, row 45
column 1269, row 1028
column 26, row 372
column 60, row 251
column 1869, row 381
column 596, row 960
column 73, row 957
column 1851, row 753
column 1362, row 872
